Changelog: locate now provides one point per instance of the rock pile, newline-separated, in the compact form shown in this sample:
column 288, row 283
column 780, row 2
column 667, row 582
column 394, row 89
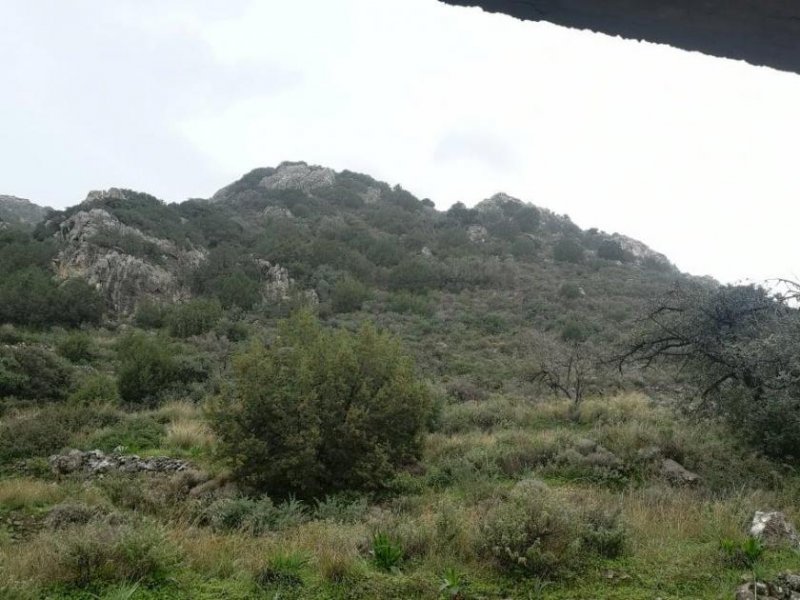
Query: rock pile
column 785, row 587
column 95, row 462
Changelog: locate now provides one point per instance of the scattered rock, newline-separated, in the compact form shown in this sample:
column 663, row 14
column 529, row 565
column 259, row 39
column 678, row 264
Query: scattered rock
column 785, row 587
column 677, row 474
column 774, row 529
column 95, row 462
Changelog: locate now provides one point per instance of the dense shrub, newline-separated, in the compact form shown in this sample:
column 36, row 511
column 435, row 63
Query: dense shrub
column 150, row 314
column 47, row 430
column 570, row 291
column 568, row 250
column 415, row 275
column 95, row 389
column 612, row 250
column 321, row 411
column 134, row 433
column 33, row 373
column 76, row 346
column 32, row 297
column 103, row 553
column 195, row 317
column 255, row 516
column 407, row 303
column 348, row 295
column 534, row 532
column 147, row 366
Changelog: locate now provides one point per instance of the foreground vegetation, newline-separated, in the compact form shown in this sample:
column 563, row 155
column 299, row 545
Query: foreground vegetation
column 496, row 476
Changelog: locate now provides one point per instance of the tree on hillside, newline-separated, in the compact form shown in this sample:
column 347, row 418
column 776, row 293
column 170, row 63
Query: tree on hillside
column 741, row 346
column 321, row 410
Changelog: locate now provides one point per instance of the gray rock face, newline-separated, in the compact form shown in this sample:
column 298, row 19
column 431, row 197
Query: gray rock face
column 641, row 252
column 774, row 529
column 676, row 474
column 477, row 234
column 95, row 462
column 299, row 177
column 124, row 279
column 277, row 285
column 496, row 203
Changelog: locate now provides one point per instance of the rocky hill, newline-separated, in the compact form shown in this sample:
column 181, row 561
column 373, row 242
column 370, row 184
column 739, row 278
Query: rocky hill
column 18, row 211
column 137, row 337
column 307, row 228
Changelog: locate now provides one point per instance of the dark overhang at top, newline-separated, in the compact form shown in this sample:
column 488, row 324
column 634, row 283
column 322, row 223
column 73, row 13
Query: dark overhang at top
column 762, row 32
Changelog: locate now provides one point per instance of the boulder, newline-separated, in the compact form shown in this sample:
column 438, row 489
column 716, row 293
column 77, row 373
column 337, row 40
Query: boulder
column 774, row 529
column 677, row 474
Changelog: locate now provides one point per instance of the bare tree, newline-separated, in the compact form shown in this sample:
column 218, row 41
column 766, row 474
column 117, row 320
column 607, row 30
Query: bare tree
column 567, row 369
column 741, row 347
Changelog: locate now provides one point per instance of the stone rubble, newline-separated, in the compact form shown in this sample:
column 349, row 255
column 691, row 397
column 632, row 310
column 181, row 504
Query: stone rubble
column 95, row 462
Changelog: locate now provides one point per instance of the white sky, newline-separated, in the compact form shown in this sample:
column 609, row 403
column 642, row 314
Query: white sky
column 695, row 156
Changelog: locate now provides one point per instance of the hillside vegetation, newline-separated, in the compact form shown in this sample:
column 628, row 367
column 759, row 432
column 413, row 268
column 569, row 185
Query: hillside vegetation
column 336, row 391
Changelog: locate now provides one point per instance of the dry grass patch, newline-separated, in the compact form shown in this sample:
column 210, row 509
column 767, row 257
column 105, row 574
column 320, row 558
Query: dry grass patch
column 23, row 493
column 180, row 410
column 186, row 434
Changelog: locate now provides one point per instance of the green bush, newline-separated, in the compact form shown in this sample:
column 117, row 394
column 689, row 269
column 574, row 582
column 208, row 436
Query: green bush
column 387, row 554
column 348, row 295
column 150, row 314
column 147, row 367
column 95, row 389
column 407, row 303
column 135, row 433
column 102, row 553
column 254, row 516
column 415, row 275
column 47, row 430
column 570, row 291
column 195, row 317
column 536, row 533
column 321, row 411
column 33, row 373
column 612, row 250
column 32, row 297
column 76, row 346
column 568, row 250
column 341, row 508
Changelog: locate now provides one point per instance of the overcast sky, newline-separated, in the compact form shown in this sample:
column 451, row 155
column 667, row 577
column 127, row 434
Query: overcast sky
column 696, row 156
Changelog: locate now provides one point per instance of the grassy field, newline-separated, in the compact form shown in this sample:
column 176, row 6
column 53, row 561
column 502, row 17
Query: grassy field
column 497, row 473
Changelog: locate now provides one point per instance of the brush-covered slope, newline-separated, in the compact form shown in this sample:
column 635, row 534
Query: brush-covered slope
column 492, row 286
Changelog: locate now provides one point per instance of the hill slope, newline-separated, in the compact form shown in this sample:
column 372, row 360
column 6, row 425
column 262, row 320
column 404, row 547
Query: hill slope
column 18, row 211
